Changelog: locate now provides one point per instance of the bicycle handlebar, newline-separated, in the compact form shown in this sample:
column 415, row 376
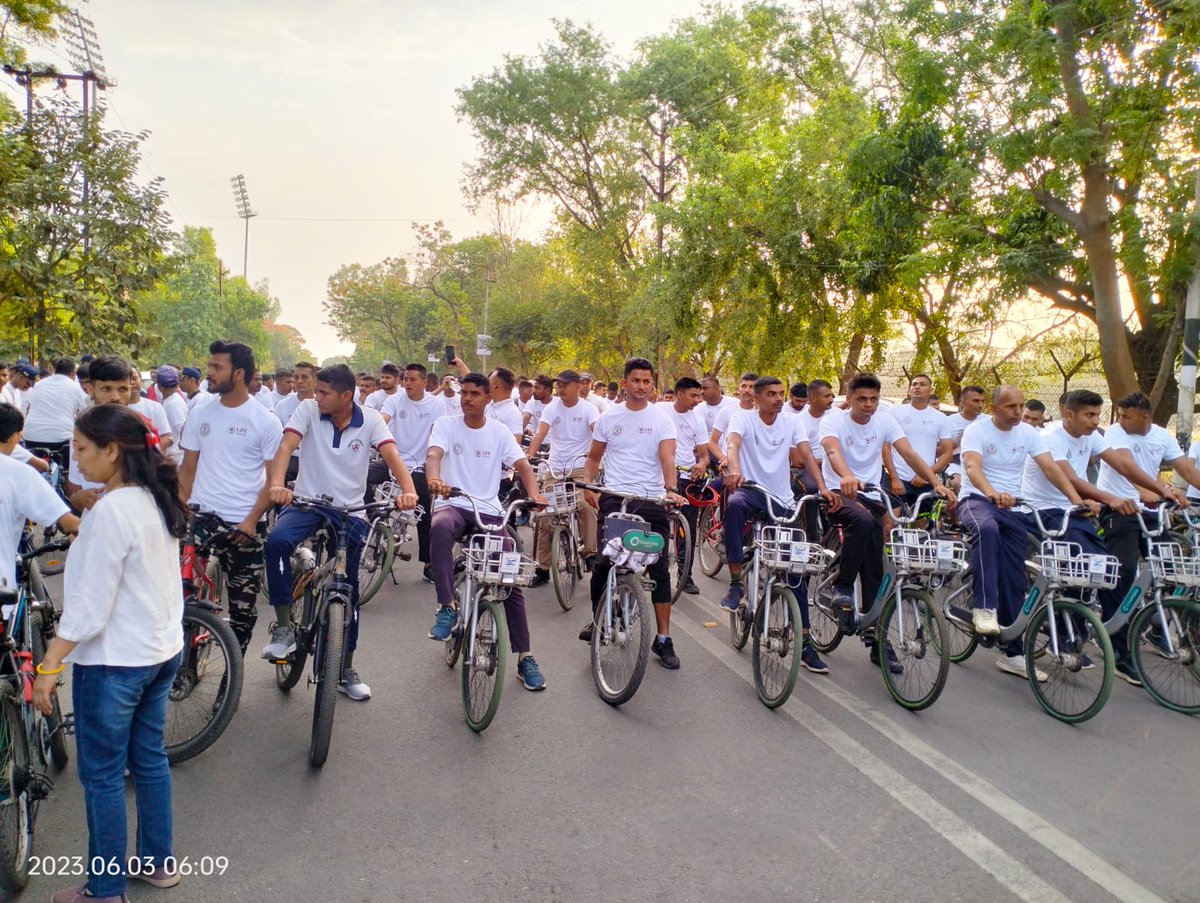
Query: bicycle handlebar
column 505, row 513
column 58, row 545
column 632, row 496
column 772, row 502
column 1063, row 527
column 325, row 503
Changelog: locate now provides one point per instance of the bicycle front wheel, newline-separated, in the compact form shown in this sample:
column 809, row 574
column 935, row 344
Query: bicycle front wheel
column 375, row 563
column 957, row 602
column 776, row 651
column 564, row 566
column 207, row 687
column 916, row 630
column 1165, row 648
column 331, row 647
column 483, row 666
column 621, row 645
column 56, row 732
column 679, row 552
column 452, row 648
column 710, row 543
column 1079, row 673
column 16, row 807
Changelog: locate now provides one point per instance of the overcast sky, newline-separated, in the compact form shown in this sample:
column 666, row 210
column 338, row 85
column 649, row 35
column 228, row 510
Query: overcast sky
column 339, row 113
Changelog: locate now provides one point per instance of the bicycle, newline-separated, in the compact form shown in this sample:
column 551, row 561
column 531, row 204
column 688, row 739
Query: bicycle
column 29, row 741
column 710, row 530
column 207, row 688
column 770, row 611
column 489, row 566
column 910, row 631
column 1164, row 618
column 1059, row 633
column 389, row 531
column 623, row 623
column 53, row 562
column 322, row 611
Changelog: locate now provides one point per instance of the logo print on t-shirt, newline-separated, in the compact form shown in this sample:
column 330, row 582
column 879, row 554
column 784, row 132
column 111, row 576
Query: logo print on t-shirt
column 356, row 446
column 205, row 429
column 617, row 430
column 458, row 449
column 991, row 448
column 402, row 414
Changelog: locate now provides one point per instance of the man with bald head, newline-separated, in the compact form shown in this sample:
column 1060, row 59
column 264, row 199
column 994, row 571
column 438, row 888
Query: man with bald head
column 994, row 451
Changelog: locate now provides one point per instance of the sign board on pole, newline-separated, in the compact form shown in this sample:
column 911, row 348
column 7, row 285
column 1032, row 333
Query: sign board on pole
column 483, row 345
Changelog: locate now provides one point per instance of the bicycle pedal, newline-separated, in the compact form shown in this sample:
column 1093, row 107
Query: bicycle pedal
column 404, row 556
column 68, row 724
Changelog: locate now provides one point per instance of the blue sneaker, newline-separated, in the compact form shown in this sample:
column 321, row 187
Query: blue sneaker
column 531, row 677
column 732, row 600
column 811, row 661
column 443, row 627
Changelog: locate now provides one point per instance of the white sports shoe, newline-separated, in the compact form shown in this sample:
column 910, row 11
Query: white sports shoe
column 1015, row 665
column 985, row 622
column 353, row 687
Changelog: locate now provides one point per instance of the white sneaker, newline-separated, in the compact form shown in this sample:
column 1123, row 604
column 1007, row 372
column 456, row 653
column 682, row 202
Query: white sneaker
column 1015, row 665
column 353, row 687
column 985, row 622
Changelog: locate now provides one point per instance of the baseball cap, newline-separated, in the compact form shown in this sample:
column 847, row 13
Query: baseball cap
column 190, row 371
column 166, row 376
column 27, row 370
column 585, row 376
column 569, row 376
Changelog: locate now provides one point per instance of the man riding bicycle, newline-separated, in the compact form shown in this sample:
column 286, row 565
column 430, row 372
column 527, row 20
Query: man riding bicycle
column 335, row 435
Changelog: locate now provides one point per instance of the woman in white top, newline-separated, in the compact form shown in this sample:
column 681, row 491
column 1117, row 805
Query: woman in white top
column 122, row 630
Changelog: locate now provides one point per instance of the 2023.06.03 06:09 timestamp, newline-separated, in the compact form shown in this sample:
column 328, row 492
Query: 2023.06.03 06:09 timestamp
column 186, row 866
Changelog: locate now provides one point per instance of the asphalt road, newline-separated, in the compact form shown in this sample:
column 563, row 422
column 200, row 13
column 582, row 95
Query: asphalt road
column 691, row 791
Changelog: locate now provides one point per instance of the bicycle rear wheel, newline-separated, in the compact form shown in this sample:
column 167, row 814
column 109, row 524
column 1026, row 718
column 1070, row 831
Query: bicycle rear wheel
column 17, row 809
column 957, row 603
column 621, row 649
column 452, row 648
column 1071, row 691
column 331, row 647
column 483, row 667
column 710, row 542
column 207, row 687
column 1172, row 677
column 375, row 563
column 56, row 732
column 776, row 651
column 564, row 565
column 678, row 551
column 921, row 648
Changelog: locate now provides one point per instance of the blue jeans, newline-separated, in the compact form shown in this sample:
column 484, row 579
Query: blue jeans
column 291, row 529
column 740, row 509
column 119, row 719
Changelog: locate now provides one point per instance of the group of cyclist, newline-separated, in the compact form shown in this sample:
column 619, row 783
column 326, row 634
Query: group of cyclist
column 463, row 441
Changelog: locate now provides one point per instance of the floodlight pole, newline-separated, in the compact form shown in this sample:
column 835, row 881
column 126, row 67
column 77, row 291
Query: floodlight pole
column 241, row 198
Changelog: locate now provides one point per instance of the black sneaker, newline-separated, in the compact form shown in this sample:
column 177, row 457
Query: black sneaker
column 427, row 574
column 1127, row 672
column 586, row 633
column 665, row 650
column 690, row 587
column 589, row 563
column 894, row 665
column 540, row 577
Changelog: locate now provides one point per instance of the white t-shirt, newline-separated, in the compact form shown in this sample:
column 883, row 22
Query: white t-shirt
column 709, row 411
column 600, row 404
column 811, row 424
column 957, row 423
column 177, row 411
column 861, row 445
column 199, row 398
column 411, row 424
column 380, row 397
column 1150, row 452
column 234, row 444
column 473, row 460
column 263, row 397
column 54, row 403
column 569, row 432
column 534, row 409
column 790, row 411
column 689, row 432
column 924, row 430
column 122, row 599
column 721, row 424
column 453, row 404
column 284, row 411
column 334, row 462
column 10, row 395
column 1039, row 491
column 631, row 441
column 1194, row 453
column 153, row 411
column 509, row 414
column 1003, row 453
column 24, row 495
column 765, row 451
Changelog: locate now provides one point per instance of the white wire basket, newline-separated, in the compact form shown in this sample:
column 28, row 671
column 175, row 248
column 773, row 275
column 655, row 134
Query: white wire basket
column 1171, row 564
column 495, row 559
column 788, row 550
column 388, row 491
column 916, row 552
column 561, row 498
column 1066, row 564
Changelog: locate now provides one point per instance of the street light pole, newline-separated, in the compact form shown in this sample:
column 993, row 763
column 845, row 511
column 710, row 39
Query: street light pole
column 242, row 199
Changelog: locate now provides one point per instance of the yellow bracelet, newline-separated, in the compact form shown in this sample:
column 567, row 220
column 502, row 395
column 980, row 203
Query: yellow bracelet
column 59, row 670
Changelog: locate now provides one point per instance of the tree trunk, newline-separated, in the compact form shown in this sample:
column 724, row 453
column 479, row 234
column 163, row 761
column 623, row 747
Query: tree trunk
column 853, row 356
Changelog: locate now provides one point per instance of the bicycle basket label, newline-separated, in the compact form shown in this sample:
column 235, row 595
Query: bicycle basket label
column 638, row 541
column 945, row 550
column 510, row 562
column 799, row 553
